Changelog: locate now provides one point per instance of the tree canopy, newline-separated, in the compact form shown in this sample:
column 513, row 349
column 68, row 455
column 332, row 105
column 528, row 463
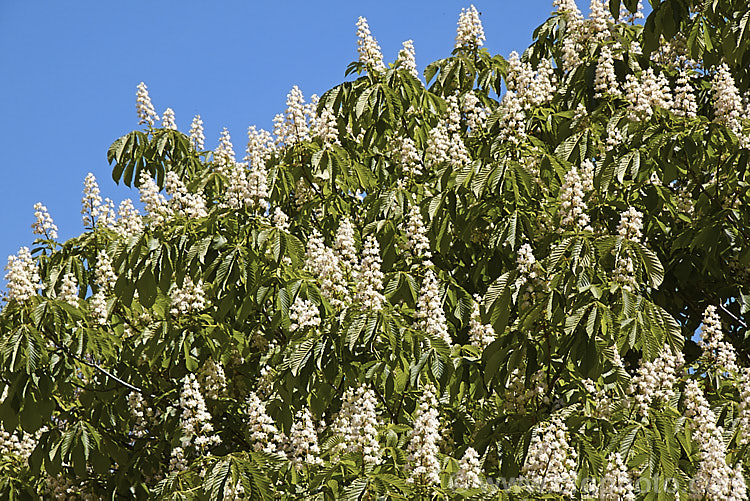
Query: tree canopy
column 483, row 282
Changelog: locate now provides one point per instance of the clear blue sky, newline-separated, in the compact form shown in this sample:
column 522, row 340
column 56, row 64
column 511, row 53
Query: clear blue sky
column 70, row 71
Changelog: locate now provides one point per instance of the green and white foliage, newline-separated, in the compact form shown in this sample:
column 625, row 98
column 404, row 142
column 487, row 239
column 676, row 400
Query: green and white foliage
column 482, row 284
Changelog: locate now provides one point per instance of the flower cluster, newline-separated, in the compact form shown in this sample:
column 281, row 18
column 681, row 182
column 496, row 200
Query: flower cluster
column 469, row 33
column 654, row 381
column 416, row 234
column 605, row 80
column 69, row 289
column 422, row 461
column 44, row 224
column 646, row 93
column 430, row 314
column 292, row 127
column 357, row 422
column 367, row 46
column 519, row 394
column 407, row 156
column 141, row 414
column 445, row 146
column 129, row 221
column 195, row 420
column 684, row 98
column 714, row 478
column 326, row 128
column 480, row 335
column 260, row 146
column 572, row 207
column 476, row 113
column 197, row 137
column 601, row 402
column 212, row 379
column 728, row 106
column 469, row 474
column 345, row 245
column 370, row 277
column 11, row 444
column 406, row 59
column 323, row 263
column 303, row 313
column 154, row 202
column 263, row 432
column 187, row 299
column 94, row 212
column 550, row 465
column 184, row 203
column 167, row 119
column 616, row 484
column 715, row 349
column 631, row 224
column 146, row 112
column 303, row 449
column 224, row 157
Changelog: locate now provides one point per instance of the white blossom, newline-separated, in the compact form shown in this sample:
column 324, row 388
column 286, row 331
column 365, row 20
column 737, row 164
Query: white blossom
column 480, row 335
column 264, row 435
column 260, row 146
column 714, row 478
column 550, row 465
column 177, row 461
column 654, row 380
column 631, row 224
column 303, row 441
column 605, row 80
column 358, row 423
column 91, row 201
column 184, row 203
column 715, row 349
column 18, row 444
column 325, row 264
column 44, row 224
column 430, row 315
column 525, row 260
column 422, row 463
column 646, row 93
column 69, row 289
column 744, row 407
column 345, row 246
column 728, row 106
column 416, row 234
column 98, row 307
column 187, row 299
column 367, row 46
column 146, row 112
column 370, row 277
column 406, row 59
column 616, row 484
column 469, row 474
column 197, row 137
column 406, row 155
column 280, row 219
column 129, row 221
column 167, row 119
column 469, row 33
column 326, row 128
column 292, row 127
column 212, row 379
column 237, row 194
column 195, row 420
column 153, row 201
column 224, row 157
column 303, row 313
column 476, row 113
column 104, row 274
column 572, row 207
column 141, row 414
column 684, row 98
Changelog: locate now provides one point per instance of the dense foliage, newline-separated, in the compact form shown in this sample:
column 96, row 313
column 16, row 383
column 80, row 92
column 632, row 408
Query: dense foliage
column 412, row 290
